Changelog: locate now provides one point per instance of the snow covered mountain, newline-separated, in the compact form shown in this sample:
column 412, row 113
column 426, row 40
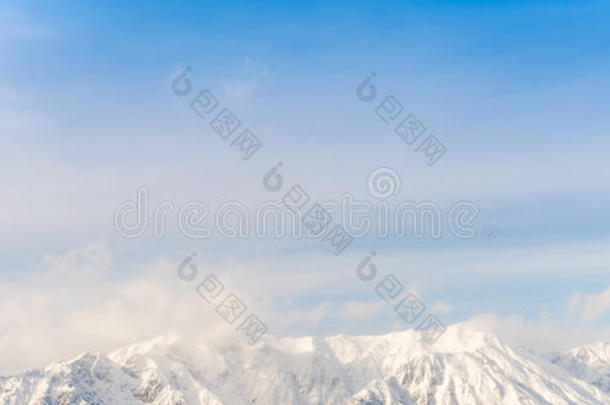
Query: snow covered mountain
column 462, row 367
column 589, row 363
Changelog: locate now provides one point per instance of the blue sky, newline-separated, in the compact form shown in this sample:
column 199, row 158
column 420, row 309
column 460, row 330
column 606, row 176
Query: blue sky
column 518, row 92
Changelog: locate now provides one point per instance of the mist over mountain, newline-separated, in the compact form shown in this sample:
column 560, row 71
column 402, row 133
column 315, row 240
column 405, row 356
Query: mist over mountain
column 464, row 366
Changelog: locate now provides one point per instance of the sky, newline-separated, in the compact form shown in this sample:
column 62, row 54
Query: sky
column 516, row 91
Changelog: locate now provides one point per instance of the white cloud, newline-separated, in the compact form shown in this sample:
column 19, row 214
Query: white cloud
column 441, row 307
column 75, row 302
column 252, row 75
column 89, row 261
column 58, row 313
column 239, row 90
column 362, row 309
column 590, row 306
column 464, row 266
column 311, row 316
column 539, row 334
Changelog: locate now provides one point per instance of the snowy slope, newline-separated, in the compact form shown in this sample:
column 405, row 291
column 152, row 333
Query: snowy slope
column 590, row 363
column 462, row 367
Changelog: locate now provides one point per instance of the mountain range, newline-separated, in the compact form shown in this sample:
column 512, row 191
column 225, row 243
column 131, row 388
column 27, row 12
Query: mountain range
column 463, row 367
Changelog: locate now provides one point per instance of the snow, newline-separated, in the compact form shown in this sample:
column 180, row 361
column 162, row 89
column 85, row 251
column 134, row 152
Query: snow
column 464, row 366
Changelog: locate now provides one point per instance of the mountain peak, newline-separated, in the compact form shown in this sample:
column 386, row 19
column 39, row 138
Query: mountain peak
column 464, row 366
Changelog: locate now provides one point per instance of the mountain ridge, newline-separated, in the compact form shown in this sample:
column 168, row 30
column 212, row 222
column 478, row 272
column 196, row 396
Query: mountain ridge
column 465, row 366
